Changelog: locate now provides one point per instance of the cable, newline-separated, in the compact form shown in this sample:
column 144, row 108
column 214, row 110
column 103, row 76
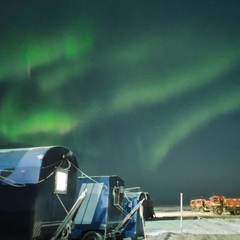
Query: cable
column 62, row 204
column 85, row 175
column 13, row 183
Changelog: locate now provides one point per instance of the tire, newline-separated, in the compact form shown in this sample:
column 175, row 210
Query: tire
column 218, row 211
column 93, row 236
column 201, row 209
column 237, row 211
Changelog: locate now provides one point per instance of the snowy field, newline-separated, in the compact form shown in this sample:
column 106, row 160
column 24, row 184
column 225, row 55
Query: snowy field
column 168, row 225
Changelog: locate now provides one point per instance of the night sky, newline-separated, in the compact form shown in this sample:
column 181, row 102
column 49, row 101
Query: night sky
column 145, row 89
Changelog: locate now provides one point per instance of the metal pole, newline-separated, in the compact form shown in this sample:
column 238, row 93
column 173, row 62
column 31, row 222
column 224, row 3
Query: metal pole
column 181, row 210
column 67, row 221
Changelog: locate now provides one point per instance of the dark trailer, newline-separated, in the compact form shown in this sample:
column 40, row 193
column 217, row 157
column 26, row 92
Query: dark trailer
column 37, row 188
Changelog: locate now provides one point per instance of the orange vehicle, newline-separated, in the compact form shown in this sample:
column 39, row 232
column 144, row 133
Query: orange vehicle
column 220, row 204
column 199, row 205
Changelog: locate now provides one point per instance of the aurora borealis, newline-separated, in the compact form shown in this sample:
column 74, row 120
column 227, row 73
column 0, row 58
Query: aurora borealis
column 147, row 90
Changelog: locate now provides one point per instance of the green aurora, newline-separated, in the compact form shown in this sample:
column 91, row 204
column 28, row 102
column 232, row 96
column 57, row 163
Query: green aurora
column 61, row 84
column 54, row 62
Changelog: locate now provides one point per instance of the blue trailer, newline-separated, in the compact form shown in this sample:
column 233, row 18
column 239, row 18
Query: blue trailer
column 134, row 228
column 38, row 186
column 102, row 210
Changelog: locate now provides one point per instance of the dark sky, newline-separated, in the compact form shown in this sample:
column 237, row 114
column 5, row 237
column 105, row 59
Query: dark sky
column 145, row 89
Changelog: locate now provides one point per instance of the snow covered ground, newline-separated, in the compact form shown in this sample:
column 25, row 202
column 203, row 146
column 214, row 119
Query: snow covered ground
column 194, row 226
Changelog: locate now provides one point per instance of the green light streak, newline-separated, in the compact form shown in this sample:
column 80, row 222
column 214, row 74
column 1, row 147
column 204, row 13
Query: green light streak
column 48, row 120
column 34, row 51
column 211, row 108
column 160, row 88
column 42, row 121
column 16, row 122
column 57, row 76
column 75, row 44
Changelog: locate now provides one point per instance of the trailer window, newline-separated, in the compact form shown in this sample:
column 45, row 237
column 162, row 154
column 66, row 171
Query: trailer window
column 61, row 180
